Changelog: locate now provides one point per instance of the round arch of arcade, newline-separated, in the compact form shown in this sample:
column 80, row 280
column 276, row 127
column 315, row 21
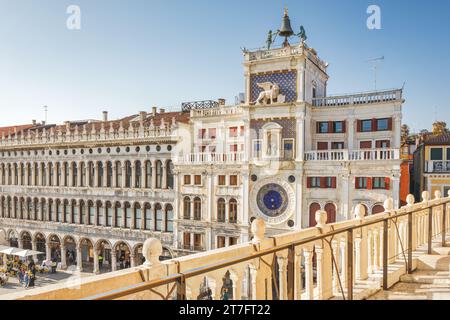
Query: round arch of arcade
column 97, row 255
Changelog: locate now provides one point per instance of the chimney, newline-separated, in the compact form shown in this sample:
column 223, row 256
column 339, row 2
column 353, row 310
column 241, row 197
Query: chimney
column 105, row 116
column 154, row 111
column 221, row 101
column 161, row 110
column 43, row 122
column 33, row 122
column 142, row 115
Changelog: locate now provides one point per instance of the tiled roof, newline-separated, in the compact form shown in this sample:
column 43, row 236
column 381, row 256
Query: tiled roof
column 12, row 129
column 442, row 139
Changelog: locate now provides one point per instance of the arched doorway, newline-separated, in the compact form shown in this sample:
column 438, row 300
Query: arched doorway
column 330, row 208
column 123, row 255
column 377, row 209
column 71, row 251
column 138, row 256
column 55, row 247
column 103, row 248
column 26, row 241
column 13, row 239
column 226, row 293
column 87, row 254
column 39, row 238
column 313, row 208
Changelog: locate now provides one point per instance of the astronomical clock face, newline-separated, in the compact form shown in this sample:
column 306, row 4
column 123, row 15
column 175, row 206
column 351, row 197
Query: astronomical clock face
column 273, row 200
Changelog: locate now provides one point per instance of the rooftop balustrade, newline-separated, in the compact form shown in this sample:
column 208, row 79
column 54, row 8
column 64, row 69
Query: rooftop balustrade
column 359, row 99
column 346, row 260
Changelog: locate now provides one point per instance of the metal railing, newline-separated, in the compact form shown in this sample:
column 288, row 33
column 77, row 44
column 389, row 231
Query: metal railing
column 433, row 166
column 339, row 254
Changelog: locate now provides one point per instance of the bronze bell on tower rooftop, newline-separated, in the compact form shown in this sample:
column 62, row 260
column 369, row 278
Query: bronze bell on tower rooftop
column 286, row 29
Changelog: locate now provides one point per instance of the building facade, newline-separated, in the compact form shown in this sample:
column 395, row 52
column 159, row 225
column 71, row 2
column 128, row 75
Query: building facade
column 432, row 165
column 197, row 178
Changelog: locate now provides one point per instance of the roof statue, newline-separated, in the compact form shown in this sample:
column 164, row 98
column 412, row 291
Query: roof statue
column 302, row 34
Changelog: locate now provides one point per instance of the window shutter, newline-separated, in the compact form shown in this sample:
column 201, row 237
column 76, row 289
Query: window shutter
column 378, row 144
column 317, row 127
column 387, row 182
column 390, row 124
column 344, row 126
column 308, row 182
column 374, row 125
column 333, row 182
column 358, row 125
column 388, row 143
column 323, row 182
column 356, row 183
column 330, row 126
column 369, row 183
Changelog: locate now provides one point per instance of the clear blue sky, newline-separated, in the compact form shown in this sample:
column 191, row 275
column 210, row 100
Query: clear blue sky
column 130, row 55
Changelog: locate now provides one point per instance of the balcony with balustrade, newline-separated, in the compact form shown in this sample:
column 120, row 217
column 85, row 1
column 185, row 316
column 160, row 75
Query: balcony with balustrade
column 367, row 257
column 210, row 158
column 433, row 166
column 353, row 155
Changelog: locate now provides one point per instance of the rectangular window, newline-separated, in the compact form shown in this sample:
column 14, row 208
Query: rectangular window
column 379, row 183
column 221, row 180
column 382, row 124
column 220, row 242
column 361, row 183
column 257, row 147
column 337, row 145
column 159, row 219
column 242, row 131
column 436, row 154
column 187, row 240
column 198, row 241
column 382, row 144
column 187, row 179
column 339, row 127
column 324, row 127
column 365, row 144
column 233, row 180
column 233, row 148
column 233, row 132
column 233, row 241
column 201, row 133
column 366, row 125
column 315, row 182
column 197, row 180
column 322, row 145
column 212, row 133
column 288, row 149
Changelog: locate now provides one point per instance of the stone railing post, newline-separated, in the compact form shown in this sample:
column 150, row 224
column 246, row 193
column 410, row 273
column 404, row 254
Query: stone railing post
column 361, row 246
column 282, row 274
column 151, row 251
column 258, row 229
column 324, row 266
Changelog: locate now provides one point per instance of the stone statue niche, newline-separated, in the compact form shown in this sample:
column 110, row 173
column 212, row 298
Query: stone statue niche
column 270, row 94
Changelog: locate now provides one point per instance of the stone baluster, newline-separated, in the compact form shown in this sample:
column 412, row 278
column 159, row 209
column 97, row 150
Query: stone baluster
column 298, row 273
column 282, row 274
column 309, row 282
column 361, row 246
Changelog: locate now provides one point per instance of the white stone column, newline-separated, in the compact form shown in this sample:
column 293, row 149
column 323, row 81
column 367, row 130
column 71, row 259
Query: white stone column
column 396, row 190
column 114, row 176
column 63, row 257
column 124, row 174
column 153, row 174
column 350, row 128
column 79, row 258
column 113, row 260
column 34, row 248
column 345, row 213
column 132, row 260
column 164, row 175
column 48, row 251
column 300, row 136
column 133, row 175
column 96, row 264
column 299, row 199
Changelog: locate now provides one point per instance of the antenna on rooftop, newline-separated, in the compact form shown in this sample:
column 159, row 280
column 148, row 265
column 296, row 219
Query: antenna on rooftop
column 45, row 113
column 375, row 68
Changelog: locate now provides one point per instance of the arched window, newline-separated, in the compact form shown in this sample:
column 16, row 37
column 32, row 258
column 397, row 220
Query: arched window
column 2, row 171
column 148, row 217
column 83, row 212
column 100, row 214
column 74, row 174
column 118, row 174
column 44, row 210
column 51, row 210
column 127, row 215
column 43, row 174
column 91, row 211
column 186, row 208
column 22, row 174
column 30, row 174
column 159, row 217
column 169, row 173
column 313, row 208
column 100, row 175
column 128, row 173
column 83, row 174
column 16, row 174
column 148, row 174
column 169, row 218
column 137, row 174
column 197, row 209
column 9, row 174
column 36, row 174
column 109, row 214
column 330, row 208
column 66, row 174
column 51, row 180
column 109, row 173
column 159, row 174
column 377, row 209
column 76, row 217
column 137, row 216
column 58, row 174
column 233, row 211
column 119, row 215
column 67, row 215
column 91, row 171
column 221, row 210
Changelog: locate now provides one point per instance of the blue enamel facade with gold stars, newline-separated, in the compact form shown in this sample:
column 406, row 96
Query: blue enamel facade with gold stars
column 287, row 80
